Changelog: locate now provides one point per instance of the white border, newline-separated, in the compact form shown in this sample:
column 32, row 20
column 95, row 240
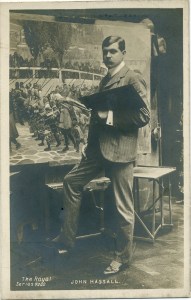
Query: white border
column 5, row 226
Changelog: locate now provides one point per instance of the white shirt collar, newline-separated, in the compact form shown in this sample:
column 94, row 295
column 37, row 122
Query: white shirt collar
column 117, row 69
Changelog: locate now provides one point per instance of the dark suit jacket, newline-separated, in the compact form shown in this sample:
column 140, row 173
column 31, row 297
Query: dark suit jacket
column 118, row 143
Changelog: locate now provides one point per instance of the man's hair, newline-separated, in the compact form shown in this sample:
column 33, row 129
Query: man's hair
column 114, row 39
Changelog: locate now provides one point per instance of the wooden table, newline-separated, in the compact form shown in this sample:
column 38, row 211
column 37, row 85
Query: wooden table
column 156, row 175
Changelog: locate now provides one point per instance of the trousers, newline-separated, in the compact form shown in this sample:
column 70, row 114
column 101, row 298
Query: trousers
column 67, row 133
column 121, row 219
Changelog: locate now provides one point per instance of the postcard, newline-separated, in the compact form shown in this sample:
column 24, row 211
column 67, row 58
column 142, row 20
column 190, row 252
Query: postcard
column 95, row 199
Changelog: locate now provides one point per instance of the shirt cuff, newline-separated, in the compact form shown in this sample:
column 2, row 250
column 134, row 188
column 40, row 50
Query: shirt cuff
column 110, row 118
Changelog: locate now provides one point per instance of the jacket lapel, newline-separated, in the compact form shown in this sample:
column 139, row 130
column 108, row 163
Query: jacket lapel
column 116, row 77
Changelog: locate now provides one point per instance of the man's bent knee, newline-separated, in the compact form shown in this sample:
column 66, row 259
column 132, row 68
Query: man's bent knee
column 67, row 180
column 71, row 182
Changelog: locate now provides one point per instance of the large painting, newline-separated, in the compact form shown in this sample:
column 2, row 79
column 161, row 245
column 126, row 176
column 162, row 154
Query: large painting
column 68, row 56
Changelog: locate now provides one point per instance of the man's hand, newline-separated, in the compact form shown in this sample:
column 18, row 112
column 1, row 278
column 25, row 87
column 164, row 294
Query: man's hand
column 102, row 114
column 84, row 147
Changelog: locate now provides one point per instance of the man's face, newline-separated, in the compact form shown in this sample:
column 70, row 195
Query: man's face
column 112, row 55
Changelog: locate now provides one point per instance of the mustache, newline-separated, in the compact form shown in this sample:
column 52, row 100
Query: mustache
column 107, row 61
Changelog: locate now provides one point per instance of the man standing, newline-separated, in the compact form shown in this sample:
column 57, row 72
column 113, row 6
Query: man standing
column 112, row 147
column 67, row 121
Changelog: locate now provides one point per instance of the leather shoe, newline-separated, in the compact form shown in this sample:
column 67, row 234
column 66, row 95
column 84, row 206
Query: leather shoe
column 18, row 146
column 114, row 267
column 65, row 149
column 58, row 243
column 47, row 149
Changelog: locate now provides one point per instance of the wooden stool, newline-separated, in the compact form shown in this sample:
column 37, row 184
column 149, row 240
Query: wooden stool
column 96, row 185
column 100, row 185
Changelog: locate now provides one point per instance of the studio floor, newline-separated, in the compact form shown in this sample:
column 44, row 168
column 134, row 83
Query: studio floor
column 155, row 266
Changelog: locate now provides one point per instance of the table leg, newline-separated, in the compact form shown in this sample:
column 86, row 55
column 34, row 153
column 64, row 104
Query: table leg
column 47, row 216
column 154, row 204
column 161, row 190
column 137, row 200
column 145, row 227
column 169, row 199
column 100, row 208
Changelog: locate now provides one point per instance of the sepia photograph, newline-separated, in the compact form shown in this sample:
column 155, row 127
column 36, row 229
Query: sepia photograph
column 95, row 150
